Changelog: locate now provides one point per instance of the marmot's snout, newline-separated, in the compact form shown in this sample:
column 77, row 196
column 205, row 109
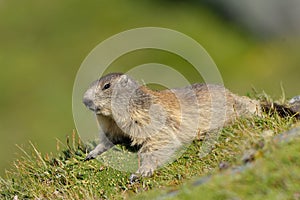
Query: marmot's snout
column 89, row 103
column 88, row 100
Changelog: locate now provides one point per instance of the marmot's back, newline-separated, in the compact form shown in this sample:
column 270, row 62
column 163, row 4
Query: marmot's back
column 216, row 105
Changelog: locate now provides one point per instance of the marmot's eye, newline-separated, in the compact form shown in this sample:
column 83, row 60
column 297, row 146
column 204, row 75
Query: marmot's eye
column 106, row 86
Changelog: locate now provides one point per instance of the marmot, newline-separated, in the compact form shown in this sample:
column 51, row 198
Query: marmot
column 160, row 122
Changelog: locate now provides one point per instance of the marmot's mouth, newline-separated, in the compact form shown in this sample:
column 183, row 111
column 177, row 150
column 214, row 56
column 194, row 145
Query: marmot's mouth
column 94, row 109
column 97, row 111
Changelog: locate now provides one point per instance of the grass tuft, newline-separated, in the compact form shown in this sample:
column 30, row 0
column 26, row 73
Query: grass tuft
column 67, row 176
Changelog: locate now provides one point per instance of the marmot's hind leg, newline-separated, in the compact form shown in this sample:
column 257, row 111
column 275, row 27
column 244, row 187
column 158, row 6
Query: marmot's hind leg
column 154, row 156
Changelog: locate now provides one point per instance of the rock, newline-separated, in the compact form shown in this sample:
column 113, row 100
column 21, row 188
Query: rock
column 295, row 104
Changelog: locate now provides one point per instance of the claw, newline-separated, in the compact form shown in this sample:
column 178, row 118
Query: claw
column 89, row 157
column 133, row 178
column 86, row 159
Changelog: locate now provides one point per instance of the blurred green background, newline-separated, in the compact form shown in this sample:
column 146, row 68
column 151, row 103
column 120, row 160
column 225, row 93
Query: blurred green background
column 42, row 44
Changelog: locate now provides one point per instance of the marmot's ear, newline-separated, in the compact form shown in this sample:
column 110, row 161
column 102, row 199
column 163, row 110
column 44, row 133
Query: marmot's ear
column 127, row 81
column 123, row 80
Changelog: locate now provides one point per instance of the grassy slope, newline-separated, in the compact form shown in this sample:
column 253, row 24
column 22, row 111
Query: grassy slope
column 274, row 175
column 67, row 176
column 44, row 43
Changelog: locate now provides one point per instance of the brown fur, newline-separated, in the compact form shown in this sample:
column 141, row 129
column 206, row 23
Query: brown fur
column 161, row 122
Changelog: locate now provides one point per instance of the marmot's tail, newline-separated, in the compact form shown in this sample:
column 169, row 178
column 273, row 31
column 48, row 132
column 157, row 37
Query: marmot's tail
column 292, row 109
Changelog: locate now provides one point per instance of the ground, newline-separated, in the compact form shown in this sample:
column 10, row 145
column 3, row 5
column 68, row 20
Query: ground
column 249, row 160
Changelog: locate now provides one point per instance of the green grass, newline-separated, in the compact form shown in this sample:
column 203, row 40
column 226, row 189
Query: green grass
column 67, row 176
column 274, row 175
column 44, row 43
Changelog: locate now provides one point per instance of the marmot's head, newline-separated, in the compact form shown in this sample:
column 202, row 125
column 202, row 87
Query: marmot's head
column 101, row 94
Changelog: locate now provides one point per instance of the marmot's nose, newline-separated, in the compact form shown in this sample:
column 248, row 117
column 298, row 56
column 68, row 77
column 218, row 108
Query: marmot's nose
column 88, row 102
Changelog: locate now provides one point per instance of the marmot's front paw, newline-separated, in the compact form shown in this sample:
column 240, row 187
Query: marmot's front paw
column 92, row 155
